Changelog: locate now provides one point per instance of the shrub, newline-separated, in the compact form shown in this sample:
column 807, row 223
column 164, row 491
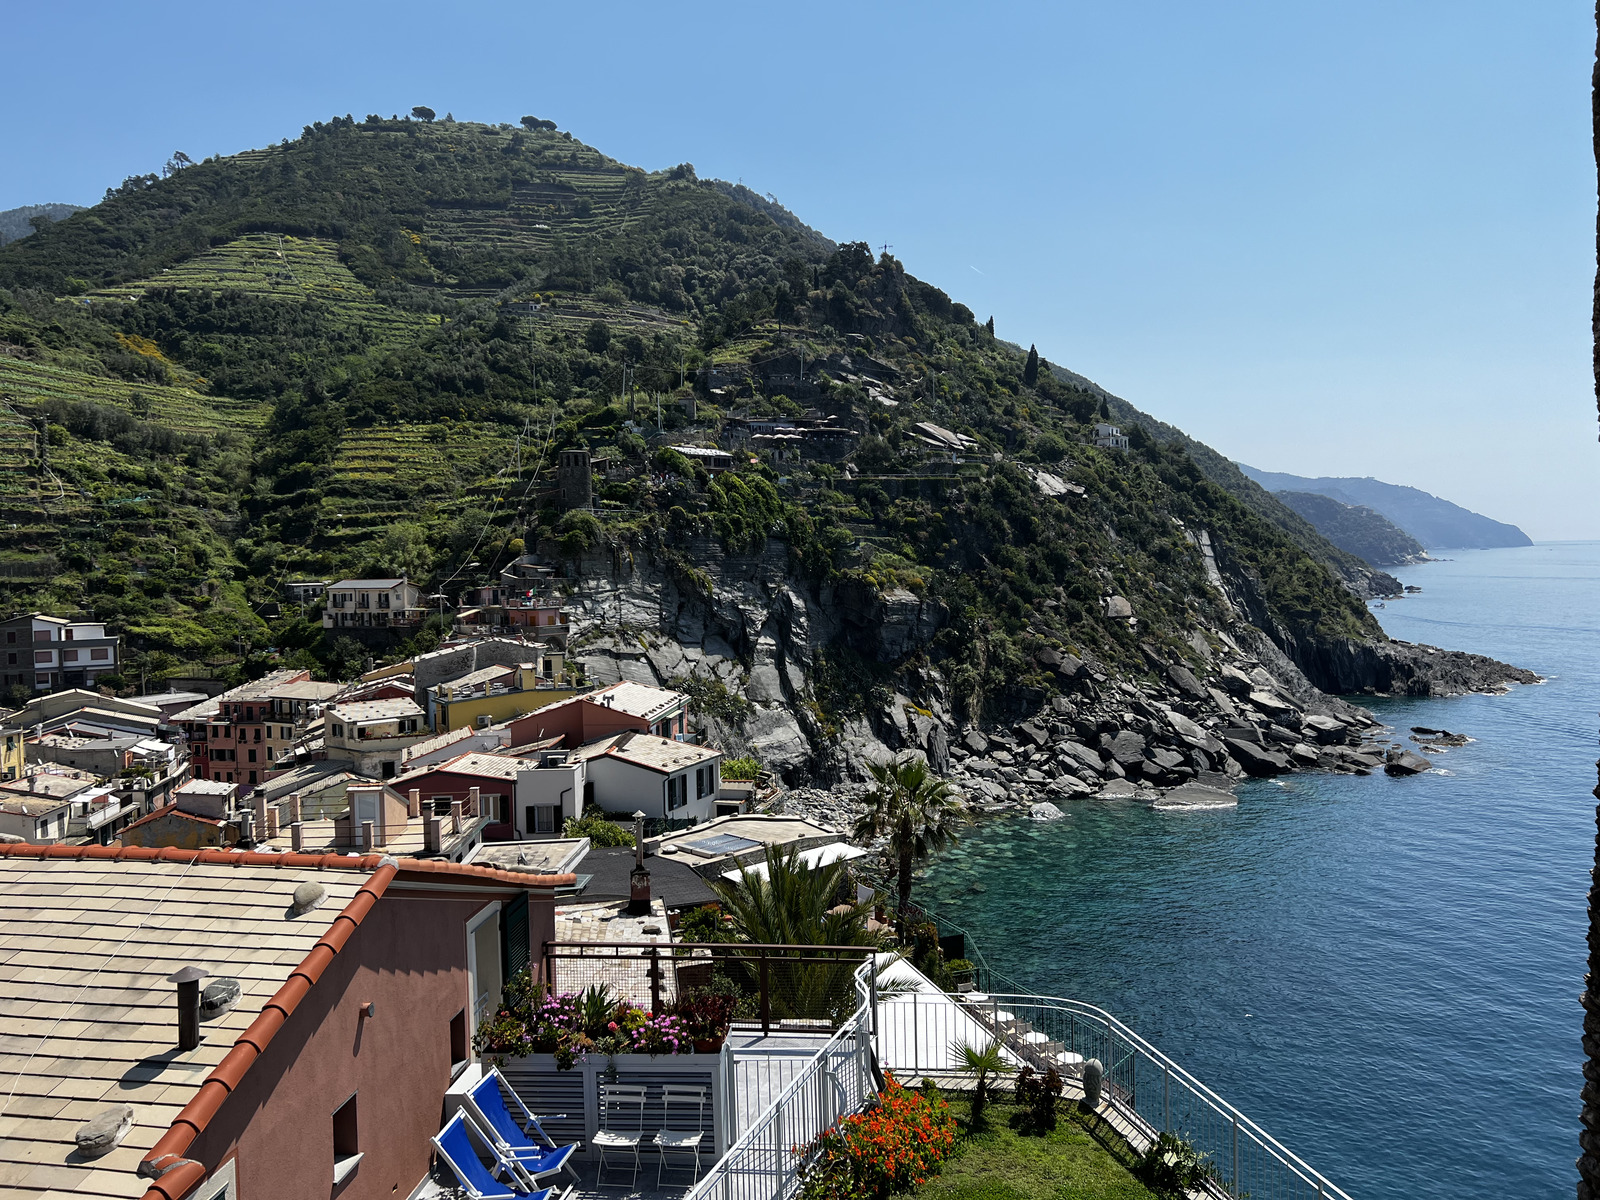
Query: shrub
column 1172, row 1166
column 599, row 830
column 745, row 767
column 1036, row 1097
column 895, row 1144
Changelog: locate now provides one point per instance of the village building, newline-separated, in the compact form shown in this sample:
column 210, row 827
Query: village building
column 480, row 781
column 45, row 653
column 615, row 708
column 334, row 1001
column 13, row 756
column 358, row 606
column 237, row 737
column 371, row 735
column 58, row 804
column 202, row 814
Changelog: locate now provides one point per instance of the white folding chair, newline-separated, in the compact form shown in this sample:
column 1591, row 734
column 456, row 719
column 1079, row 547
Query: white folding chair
column 614, row 1135
column 686, row 1139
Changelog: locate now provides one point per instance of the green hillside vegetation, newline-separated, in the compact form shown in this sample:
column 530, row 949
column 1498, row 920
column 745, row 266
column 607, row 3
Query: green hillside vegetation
column 1357, row 529
column 455, row 303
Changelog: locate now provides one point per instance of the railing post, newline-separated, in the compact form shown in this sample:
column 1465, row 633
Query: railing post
column 766, row 998
column 655, row 981
column 1236, row 1191
column 783, row 1149
column 916, row 1055
column 1166, row 1098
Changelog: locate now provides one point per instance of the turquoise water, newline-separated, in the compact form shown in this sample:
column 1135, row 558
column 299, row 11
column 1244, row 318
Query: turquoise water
column 1382, row 972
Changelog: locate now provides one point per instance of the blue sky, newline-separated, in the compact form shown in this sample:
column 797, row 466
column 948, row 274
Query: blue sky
column 1352, row 239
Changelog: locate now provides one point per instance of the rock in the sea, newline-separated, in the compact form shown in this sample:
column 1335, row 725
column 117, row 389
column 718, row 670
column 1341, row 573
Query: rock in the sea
column 1255, row 759
column 1043, row 810
column 1117, row 789
column 1193, row 796
column 1406, row 763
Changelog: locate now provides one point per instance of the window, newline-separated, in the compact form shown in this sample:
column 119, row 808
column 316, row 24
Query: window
column 252, row 755
column 100, row 655
column 441, row 806
column 41, row 680
column 41, row 635
column 252, row 776
column 383, row 600
column 258, row 733
column 544, row 818
column 42, row 656
column 338, row 731
column 677, row 792
column 483, row 961
column 387, row 769
column 12, row 658
column 458, row 1042
column 699, row 782
column 69, row 656
column 346, row 1142
column 11, row 639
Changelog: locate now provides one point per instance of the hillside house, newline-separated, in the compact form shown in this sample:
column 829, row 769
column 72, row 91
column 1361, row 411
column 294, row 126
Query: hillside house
column 667, row 780
column 341, row 995
column 305, row 591
column 495, row 694
column 202, row 814
column 713, row 460
column 372, row 604
column 57, row 804
column 12, row 755
column 1109, row 437
column 46, row 653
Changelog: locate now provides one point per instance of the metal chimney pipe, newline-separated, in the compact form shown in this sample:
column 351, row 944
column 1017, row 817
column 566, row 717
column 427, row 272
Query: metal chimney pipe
column 188, row 981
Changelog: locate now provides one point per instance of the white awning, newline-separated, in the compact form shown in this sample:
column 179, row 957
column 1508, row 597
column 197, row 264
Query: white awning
column 817, row 856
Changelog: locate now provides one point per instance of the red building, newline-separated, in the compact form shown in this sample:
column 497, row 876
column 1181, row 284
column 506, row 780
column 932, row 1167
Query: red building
column 616, row 708
column 340, row 1002
column 493, row 775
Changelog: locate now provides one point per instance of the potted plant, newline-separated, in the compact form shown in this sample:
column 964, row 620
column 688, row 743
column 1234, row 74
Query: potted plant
column 705, row 1013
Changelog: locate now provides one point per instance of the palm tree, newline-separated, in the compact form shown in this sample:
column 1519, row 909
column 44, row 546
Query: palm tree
column 916, row 811
column 984, row 1066
column 791, row 904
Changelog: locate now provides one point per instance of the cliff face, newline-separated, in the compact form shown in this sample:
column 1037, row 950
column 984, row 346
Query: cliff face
column 817, row 680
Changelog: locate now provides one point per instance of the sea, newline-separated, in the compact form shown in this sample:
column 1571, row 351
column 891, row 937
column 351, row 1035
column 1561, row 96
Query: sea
column 1382, row 972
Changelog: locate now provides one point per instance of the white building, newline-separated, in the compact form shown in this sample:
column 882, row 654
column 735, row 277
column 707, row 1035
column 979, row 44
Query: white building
column 373, row 734
column 372, row 603
column 48, row 653
column 663, row 778
column 1109, row 437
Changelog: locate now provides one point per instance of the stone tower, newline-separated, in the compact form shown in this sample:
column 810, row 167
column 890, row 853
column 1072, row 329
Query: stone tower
column 575, row 480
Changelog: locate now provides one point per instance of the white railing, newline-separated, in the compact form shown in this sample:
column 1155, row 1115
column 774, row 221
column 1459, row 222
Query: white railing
column 835, row 1082
column 1145, row 1092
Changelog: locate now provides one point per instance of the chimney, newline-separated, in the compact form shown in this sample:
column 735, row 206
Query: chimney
column 188, row 981
column 472, row 803
column 296, row 836
column 639, row 877
column 455, row 816
column 431, row 840
column 294, row 808
column 272, row 822
column 413, row 803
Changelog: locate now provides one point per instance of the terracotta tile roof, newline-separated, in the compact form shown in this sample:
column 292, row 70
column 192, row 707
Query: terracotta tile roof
column 172, row 810
column 91, row 934
column 665, row 755
column 473, row 762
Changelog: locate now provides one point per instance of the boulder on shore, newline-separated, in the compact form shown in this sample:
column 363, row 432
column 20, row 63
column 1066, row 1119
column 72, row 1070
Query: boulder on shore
column 1406, row 763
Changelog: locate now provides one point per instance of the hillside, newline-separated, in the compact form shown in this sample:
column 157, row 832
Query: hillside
column 361, row 350
column 1357, row 529
column 1437, row 524
column 17, row 223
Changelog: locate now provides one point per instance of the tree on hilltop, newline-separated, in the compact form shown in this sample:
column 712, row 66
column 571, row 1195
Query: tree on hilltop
column 423, row 113
column 989, row 325
column 1030, row 372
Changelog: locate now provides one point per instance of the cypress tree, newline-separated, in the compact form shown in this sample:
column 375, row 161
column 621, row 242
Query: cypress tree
column 1030, row 373
column 989, row 325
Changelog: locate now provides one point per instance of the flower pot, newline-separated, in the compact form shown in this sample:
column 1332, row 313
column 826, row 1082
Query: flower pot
column 710, row 1045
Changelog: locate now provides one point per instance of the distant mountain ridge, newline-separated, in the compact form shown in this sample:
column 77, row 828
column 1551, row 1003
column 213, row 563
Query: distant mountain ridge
column 1436, row 523
column 14, row 222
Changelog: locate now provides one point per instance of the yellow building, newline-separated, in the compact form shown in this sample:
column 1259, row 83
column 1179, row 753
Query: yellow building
column 11, row 752
column 491, row 696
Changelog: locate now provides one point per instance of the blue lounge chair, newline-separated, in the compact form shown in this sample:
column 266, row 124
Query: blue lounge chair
column 454, row 1146
column 510, row 1137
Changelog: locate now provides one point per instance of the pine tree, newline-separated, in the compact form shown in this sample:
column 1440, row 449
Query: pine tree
column 1030, row 373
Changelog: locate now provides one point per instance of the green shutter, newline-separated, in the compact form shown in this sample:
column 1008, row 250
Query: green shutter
column 514, row 935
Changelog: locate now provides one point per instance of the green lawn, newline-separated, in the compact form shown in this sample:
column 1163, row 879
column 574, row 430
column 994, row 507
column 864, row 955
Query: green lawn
column 1068, row 1164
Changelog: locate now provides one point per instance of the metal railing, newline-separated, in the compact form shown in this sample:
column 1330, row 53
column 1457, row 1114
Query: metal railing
column 1144, row 1092
column 763, row 1163
column 783, row 987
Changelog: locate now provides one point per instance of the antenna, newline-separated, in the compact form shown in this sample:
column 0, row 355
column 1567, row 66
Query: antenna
column 885, row 248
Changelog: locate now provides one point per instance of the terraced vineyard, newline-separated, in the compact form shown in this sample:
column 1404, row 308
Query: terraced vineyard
column 379, row 474
column 26, row 383
column 280, row 267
